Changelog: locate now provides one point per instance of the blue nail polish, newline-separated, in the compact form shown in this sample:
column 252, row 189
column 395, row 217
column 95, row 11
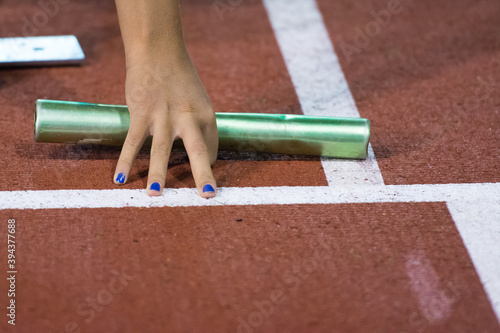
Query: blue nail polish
column 208, row 188
column 120, row 178
column 155, row 187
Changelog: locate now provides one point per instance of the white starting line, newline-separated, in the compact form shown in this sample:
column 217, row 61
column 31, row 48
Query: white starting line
column 466, row 194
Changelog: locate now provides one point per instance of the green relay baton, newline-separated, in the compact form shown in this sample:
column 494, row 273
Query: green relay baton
column 79, row 123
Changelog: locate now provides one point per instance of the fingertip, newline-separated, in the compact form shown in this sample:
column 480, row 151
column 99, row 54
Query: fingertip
column 208, row 191
column 154, row 189
column 120, row 178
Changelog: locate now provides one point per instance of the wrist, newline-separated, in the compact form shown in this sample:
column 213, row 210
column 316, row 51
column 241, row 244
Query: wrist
column 156, row 50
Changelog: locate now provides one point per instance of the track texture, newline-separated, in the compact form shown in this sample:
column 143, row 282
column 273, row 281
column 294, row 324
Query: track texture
column 429, row 81
column 346, row 268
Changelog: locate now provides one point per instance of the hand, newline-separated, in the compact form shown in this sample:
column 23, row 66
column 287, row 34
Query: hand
column 168, row 101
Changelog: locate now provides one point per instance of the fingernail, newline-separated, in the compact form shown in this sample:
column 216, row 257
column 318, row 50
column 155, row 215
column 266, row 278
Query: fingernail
column 120, row 178
column 208, row 188
column 155, row 187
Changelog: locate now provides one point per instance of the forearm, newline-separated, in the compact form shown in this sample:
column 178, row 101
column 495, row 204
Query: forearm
column 151, row 29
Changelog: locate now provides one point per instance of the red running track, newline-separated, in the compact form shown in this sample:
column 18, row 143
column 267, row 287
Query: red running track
column 429, row 84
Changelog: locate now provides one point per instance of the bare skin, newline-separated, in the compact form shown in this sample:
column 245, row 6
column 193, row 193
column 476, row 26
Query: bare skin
column 165, row 95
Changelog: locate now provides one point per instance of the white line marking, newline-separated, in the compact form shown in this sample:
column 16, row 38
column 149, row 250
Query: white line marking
column 282, row 195
column 347, row 172
column 318, row 80
column 479, row 225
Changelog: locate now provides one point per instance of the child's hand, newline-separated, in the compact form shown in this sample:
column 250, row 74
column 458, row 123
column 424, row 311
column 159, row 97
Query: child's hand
column 165, row 96
column 169, row 102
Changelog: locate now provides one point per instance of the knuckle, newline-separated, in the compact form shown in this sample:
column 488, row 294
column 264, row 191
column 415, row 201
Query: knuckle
column 139, row 116
column 125, row 160
column 198, row 148
column 185, row 108
column 133, row 142
column 162, row 149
